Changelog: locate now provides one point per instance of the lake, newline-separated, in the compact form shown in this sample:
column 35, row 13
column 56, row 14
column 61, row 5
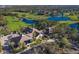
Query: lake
column 75, row 25
column 56, row 18
column 28, row 21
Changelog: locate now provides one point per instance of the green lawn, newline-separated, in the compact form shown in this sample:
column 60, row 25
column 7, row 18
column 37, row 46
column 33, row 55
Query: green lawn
column 74, row 17
column 14, row 24
column 33, row 16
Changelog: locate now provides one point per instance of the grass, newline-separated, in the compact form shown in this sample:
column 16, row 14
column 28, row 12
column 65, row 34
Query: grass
column 67, row 22
column 14, row 24
column 74, row 17
column 33, row 16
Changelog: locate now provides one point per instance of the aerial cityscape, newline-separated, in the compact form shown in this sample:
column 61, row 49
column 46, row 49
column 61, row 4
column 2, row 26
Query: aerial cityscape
column 39, row 29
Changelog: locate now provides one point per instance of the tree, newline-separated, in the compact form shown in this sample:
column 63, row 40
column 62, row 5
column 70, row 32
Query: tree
column 2, row 20
column 23, row 15
column 65, row 42
column 22, row 45
column 0, row 47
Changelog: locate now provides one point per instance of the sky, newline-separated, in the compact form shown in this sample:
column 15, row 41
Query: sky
column 39, row 2
column 58, row 6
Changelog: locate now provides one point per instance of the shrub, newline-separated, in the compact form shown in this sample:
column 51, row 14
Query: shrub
column 65, row 42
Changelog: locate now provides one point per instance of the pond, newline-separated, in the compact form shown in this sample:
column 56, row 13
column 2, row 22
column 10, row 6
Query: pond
column 56, row 18
column 28, row 21
column 75, row 26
